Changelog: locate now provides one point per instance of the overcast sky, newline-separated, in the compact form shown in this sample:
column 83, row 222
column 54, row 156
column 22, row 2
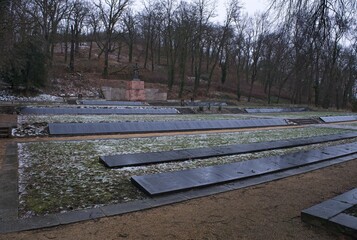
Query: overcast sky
column 252, row 6
column 249, row 6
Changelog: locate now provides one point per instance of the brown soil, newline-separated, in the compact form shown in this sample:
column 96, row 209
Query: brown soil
column 266, row 211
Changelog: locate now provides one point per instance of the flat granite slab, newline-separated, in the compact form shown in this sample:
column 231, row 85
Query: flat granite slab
column 339, row 119
column 98, row 111
column 137, row 159
column 158, row 126
column 275, row 110
column 110, row 103
column 162, row 183
column 330, row 214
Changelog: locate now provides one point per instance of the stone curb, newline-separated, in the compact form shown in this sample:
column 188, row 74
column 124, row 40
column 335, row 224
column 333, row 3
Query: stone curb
column 330, row 214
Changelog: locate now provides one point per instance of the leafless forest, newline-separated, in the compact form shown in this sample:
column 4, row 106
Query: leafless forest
column 304, row 50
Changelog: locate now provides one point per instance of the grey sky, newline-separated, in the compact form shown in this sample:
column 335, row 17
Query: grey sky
column 249, row 6
column 252, row 6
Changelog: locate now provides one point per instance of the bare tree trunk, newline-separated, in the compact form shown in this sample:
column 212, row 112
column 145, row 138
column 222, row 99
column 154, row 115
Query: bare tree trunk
column 66, row 43
column 71, row 61
column 90, row 49
column 119, row 51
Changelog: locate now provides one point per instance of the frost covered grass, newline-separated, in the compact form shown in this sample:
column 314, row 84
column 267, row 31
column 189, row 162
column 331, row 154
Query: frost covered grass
column 6, row 96
column 60, row 176
column 308, row 114
column 31, row 119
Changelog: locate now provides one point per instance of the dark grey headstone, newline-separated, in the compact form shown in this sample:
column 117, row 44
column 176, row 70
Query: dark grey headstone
column 348, row 197
column 346, row 221
column 135, row 159
column 161, row 183
column 162, row 126
column 205, row 104
column 339, row 118
column 110, row 103
column 327, row 209
column 274, row 110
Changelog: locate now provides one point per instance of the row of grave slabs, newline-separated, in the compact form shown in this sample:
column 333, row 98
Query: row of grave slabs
column 163, row 183
column 209, row 175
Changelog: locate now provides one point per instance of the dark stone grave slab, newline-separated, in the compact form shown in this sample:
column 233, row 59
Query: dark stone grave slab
column 162, row 183
column 160, row 126
column 97, row 111
column 349, row 197
column 136, row 159
column 339, row 119
column 275, row 110
column 205, row 104
column 110, row 103
column 346, row 223
column 331, row 214
column 327, row 209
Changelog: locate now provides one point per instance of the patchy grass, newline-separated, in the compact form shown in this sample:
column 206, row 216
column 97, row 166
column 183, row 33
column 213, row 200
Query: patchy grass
column 60, row 176
column 31, row 119
column 307, row 114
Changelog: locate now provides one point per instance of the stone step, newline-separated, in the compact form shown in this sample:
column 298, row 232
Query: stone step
column 5, row 132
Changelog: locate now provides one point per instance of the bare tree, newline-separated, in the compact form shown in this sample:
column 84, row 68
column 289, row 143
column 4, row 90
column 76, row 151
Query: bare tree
column 225, row 34
column 204, row 11
column 79, row 12
column 130, row 23
column 170, row 44
column 47, row 14
column 93, row 22
column 110, row 12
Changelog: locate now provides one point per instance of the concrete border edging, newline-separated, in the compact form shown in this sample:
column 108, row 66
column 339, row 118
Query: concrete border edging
column 330, row 214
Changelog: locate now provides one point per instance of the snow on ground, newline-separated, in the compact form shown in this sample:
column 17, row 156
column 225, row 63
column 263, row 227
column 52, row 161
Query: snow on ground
column 6, row 96
column 59, row 176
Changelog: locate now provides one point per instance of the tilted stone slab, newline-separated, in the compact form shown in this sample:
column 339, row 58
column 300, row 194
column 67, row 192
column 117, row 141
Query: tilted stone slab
column 274, row 110
column 162, row 183
column 339, row 118
column 110, row 103
column 97, row 111
column 206, row 104
column 160, row 126
column 137, row 159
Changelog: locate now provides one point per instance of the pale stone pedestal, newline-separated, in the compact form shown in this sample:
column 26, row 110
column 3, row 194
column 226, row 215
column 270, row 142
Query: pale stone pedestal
column 135, row 91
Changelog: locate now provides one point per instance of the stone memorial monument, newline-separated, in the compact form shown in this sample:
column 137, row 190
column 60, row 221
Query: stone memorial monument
column 135, row 89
